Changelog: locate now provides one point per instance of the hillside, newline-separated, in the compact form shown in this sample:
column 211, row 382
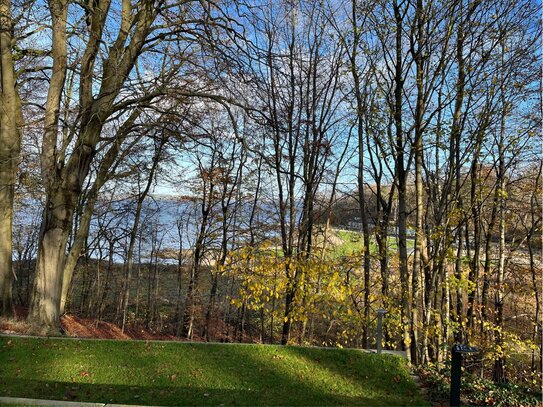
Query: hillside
column 168, row 373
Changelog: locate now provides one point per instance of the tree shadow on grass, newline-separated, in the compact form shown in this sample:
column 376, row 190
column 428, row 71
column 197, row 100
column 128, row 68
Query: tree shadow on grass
column 124, row 394
column 385, row 375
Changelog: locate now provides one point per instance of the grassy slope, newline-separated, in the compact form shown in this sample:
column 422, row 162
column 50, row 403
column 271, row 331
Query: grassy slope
column 353, row 243
column 200, row 374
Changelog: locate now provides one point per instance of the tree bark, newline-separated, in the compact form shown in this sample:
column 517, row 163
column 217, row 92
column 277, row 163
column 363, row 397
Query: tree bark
column 11, row 121
column 61, row 197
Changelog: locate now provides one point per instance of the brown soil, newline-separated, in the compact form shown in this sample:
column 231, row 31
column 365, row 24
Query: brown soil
column 87, row 328
column 76, row 327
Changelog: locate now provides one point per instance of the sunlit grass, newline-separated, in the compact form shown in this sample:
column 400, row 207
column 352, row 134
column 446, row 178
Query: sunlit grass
column 353, row 244
column 162, row 373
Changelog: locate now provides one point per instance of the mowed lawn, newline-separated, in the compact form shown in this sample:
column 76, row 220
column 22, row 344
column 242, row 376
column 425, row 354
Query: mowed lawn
column 160, row 373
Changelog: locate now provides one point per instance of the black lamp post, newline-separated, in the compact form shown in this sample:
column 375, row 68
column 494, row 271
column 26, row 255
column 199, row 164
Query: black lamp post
column 458, row 352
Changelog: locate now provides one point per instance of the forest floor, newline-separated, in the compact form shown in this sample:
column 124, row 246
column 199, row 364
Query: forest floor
column 169, row 373
column 76, row 327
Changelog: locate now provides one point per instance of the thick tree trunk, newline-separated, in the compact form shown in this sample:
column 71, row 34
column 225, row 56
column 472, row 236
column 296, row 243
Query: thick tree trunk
column 10, row 143
column 45, row 305
column 61, row 197
column 6, row 228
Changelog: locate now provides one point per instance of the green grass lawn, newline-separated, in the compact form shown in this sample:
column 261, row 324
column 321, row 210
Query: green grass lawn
column 156, row 373
column 353, row 243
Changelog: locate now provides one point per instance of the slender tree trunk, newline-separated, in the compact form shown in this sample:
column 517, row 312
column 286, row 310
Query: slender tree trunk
column 104, row 173
column 488, row 261
column 134, row 231
column 401, row 179
column 446, row 308
column 289, row 298
column 189, row 313
column 211, row 305
column 76, row 249
column 419, row 190
column 272, row 311
column 179, row 290
column 536, row 288
column 459, row 275
column 138, row 281
column 360, row 112
column 499, row 374
column 535, row 226
column 475, row 260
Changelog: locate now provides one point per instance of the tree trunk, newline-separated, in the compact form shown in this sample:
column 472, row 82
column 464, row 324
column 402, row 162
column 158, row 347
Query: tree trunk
column 499, row 374
column 535, row 226
column 285, row 334
column 104, row 173
column 134, row 231
column 11, row 121
column 75, row 251
column 64, row 175
column 475, row 259
column 360, row 112
column 401, row 179
column 45, row 305
column 537, row 321
column 189, row 312
column 419, row 213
